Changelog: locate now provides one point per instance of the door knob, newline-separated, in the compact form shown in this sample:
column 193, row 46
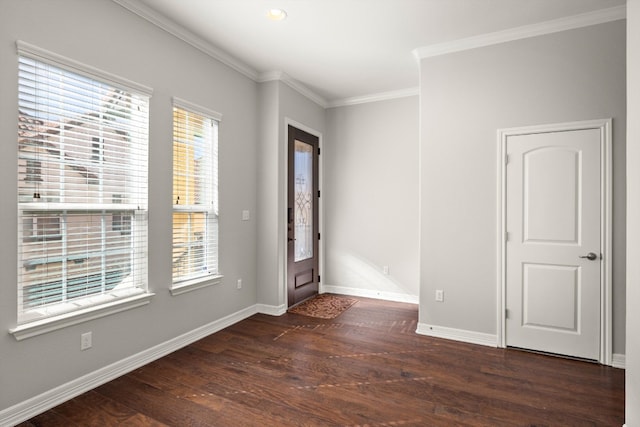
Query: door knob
column 590, row 256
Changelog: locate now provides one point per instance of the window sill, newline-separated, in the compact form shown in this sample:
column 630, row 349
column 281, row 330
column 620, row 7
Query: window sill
column 192, row 285
column 53, row 323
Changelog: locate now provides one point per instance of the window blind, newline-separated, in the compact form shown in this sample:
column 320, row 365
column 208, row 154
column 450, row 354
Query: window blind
column 82, row 190
column 195, row 195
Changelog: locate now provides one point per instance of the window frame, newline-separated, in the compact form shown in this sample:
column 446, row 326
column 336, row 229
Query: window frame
column 96, row 305
column 187, row 284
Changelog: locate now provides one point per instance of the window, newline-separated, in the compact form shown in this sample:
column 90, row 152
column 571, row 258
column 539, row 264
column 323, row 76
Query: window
column 120, row 221
column 82, row 187
column 40, row 227
column 33, row 170
column 195, row 194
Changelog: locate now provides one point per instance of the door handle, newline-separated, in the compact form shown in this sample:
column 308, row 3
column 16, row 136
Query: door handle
column 590, row 256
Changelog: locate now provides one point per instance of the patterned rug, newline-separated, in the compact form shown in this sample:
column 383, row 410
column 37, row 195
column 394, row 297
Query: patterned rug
column 323, row 306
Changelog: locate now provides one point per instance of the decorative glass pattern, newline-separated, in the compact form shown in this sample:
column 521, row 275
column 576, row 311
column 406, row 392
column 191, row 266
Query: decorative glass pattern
column 303, row 200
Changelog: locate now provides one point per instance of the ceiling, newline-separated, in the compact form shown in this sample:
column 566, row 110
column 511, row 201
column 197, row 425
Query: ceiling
column 341, row 50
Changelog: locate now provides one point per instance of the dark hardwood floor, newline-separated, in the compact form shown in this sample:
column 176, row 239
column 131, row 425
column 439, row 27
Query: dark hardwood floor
column 365, row 368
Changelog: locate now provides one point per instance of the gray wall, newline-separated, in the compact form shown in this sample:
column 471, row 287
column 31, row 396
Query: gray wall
column 278, row 102
column 568, row 76
column 102, row 34
column 371, row 196
column 267, row 213
column 465, row 98
column 633, row 216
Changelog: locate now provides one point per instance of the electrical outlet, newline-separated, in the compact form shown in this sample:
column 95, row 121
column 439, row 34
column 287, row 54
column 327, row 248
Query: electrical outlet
column 239, row 284
column 246, row 215
column 85, row 341
column 439, row 295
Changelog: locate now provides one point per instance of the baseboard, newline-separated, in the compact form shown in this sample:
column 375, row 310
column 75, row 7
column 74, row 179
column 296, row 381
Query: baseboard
column 49, row 399
column 619, row 361
column 471, row 337
column 370, row 293
column 271, row 310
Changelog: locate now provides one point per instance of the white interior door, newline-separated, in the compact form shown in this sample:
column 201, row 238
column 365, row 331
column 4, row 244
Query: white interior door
column 553, row 259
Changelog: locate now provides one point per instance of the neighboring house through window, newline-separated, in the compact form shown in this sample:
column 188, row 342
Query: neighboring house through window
column 195, row 194
column 34, row 170
column 82, row 188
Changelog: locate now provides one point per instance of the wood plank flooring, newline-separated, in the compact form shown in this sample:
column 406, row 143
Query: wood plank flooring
column 367, row 367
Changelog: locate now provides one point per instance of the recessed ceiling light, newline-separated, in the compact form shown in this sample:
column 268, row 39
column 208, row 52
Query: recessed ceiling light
column 276, row 14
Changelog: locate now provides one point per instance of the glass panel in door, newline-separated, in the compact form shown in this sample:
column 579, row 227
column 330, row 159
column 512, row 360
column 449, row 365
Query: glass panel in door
column 303, row 200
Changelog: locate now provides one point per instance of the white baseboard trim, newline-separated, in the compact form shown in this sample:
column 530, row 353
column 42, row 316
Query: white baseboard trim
column 49, row 399
column 471, row 337
column 619, row 361
column 370, row 293
column 271, row 310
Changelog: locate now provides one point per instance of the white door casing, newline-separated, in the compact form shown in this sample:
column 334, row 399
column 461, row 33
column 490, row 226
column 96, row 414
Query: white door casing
column 555, row 206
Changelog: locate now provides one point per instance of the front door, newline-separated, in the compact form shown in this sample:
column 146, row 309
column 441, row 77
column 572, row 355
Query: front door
column 553, row 259
column 302, row 216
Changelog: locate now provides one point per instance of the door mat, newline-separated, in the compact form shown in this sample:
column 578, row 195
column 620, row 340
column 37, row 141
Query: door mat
column 323, row 306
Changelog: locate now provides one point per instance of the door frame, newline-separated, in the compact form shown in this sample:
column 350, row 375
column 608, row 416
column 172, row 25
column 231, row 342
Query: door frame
column 606, row 202
column 284, row 189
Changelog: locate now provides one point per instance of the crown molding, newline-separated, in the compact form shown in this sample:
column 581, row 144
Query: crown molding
column 270, row 76
column 533, row 30
column 547, row 27
column 206, row 47
column 375, row 97
column 187, row 36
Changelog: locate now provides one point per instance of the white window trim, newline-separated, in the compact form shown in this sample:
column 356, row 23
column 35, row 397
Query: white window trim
column 186, row 105
column 182, row 287
column 99, row 305
column 100, row 308
column 34, row 52
column 194, row 284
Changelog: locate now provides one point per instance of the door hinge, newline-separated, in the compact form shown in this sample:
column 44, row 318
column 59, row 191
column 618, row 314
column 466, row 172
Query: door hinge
column 507, row 314
column 506, row 236
column 318, row 151
column 506, row 159
column 318, row 194
column 318, row 236
column 318, row 278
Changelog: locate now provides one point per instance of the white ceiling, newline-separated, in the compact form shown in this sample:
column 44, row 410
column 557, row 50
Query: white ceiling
column 344, row 49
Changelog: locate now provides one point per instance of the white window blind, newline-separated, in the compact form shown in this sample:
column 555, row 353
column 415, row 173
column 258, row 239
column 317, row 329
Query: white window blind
column 82, row 189
column 195, row 194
